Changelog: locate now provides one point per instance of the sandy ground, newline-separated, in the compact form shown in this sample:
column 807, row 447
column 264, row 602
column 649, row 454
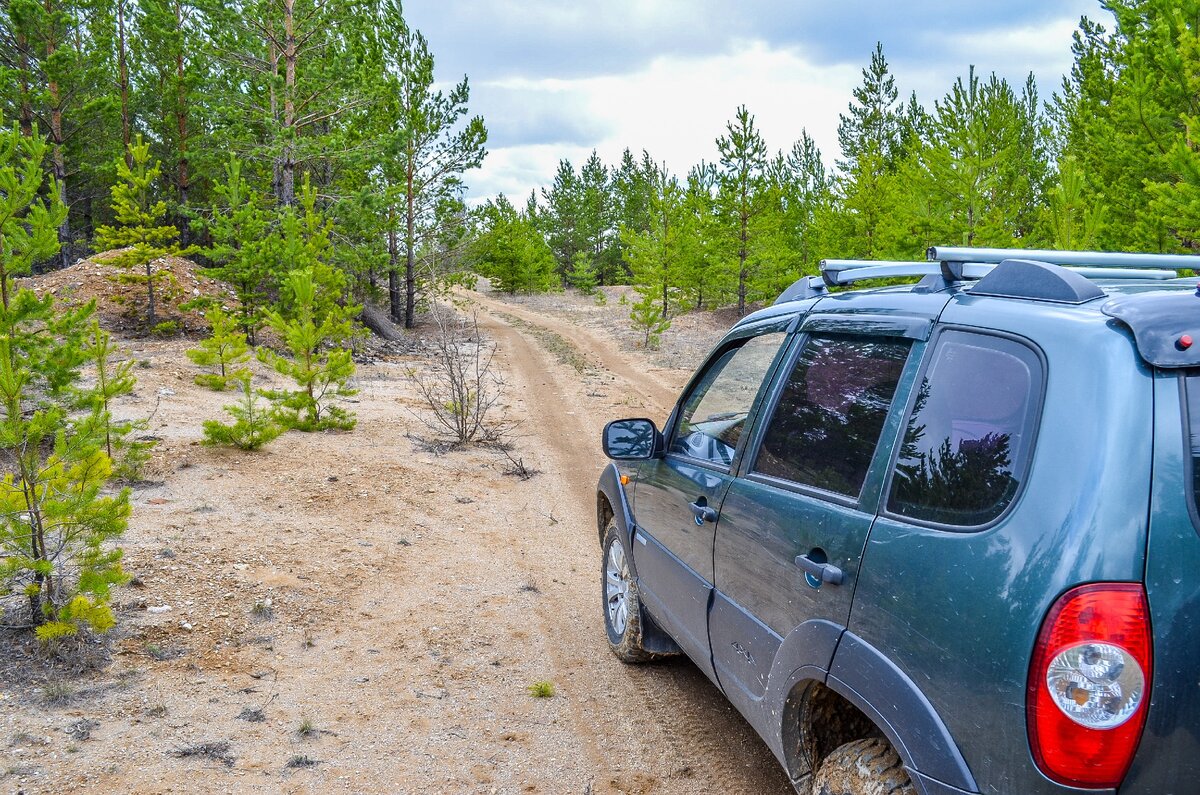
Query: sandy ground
column 351, row 612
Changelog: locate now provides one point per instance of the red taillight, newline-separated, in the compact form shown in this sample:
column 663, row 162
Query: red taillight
column 1089, row 685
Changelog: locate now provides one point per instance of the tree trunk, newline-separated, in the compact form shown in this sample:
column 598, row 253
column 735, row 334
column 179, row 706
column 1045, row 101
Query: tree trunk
column 287, row 195
column 26, row 112
column 57, row 139
column 182, row 179
column 150, row 317
column 123, row 82
column 394, row 274
column 410, row 262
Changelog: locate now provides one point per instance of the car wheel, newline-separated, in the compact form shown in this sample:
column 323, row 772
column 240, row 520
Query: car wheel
column 622, row 607
column 862, row 767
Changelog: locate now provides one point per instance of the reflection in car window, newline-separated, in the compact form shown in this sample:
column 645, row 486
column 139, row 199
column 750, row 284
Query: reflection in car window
column 1192, row 391
column 715, row 412
column 827, row 424
column 967, row 439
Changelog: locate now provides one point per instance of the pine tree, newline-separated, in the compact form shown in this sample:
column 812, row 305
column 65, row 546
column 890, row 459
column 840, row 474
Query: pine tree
column 127, row 453
column 511, row 252
column 426, row 151
column 322, row 373
column 647, row 318
column 57, row 524
column 139, row 229
column 254, row 422
column 28, row 223
column 224, row 349
column 657, row 256
column 242, row 247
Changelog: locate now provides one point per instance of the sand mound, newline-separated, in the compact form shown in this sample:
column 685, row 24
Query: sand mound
column 121, row 305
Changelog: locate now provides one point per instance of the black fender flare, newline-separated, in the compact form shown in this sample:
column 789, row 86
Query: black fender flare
column 885, row 694
column 610, row 491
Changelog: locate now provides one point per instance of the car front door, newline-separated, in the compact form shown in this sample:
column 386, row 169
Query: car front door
column 677, row 497
column 794, row 525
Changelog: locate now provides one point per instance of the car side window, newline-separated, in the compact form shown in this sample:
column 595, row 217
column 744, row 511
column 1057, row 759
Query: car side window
column 831, row 412
column 969, row 432
column 714, row 413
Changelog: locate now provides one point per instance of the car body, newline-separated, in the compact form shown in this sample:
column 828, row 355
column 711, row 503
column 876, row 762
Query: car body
column 958, row 516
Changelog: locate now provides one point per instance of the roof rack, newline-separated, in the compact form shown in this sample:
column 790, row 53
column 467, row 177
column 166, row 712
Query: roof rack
column 1096, row 259
column 947, row 265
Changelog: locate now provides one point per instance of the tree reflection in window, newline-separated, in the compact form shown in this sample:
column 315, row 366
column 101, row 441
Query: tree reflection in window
column 830, row 415
column 966, row 440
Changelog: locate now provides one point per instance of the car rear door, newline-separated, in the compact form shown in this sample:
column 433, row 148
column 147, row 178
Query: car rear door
column 794, row 524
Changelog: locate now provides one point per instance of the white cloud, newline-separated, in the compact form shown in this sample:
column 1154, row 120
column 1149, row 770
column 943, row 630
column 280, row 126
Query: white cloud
column 675, row 109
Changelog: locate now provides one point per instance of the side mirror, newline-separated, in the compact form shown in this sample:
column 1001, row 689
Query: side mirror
column 631, row 440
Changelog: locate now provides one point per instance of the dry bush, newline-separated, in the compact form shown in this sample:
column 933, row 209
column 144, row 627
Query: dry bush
column 461, row 388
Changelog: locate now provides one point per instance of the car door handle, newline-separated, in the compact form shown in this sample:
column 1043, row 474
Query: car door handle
column 825, row 572
column 702, row 513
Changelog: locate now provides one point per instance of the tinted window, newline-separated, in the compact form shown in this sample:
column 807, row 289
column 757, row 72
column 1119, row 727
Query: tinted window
column 829, row 417
column 1192, row 391
column 715, row 411
column 967, row 439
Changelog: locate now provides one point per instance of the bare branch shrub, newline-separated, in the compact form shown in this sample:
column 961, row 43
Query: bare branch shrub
column 460, row 388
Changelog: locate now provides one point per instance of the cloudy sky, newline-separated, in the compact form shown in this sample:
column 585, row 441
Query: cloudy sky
column 556, row 79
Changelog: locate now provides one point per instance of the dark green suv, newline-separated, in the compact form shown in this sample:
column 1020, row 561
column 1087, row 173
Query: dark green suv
column 936, row 538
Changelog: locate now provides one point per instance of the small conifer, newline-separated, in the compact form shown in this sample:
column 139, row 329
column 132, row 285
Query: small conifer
column 254, row 422
column 322, row 372
column 647, row 317
column 225, row 349
column 140, row 229
column 114, row 379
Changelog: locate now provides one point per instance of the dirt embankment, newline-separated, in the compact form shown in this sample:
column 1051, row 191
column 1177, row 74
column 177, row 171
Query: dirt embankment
column 353, row 612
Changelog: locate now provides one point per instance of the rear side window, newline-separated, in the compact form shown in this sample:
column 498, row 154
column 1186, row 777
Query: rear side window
column 1192, row 391
column 827, row 424
column 968, row 437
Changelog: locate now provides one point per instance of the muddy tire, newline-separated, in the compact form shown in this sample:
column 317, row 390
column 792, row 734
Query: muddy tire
column 862, row 767
column 619, row 599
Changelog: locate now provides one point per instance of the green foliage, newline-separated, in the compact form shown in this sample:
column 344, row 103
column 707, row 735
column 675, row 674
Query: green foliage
column 241, row 247
column 321, row 372
column 57, row 524
column 510, row 251
column 583, row 274
column 254, row 422
column 127, row 453
column 224, row 349
column 541, row 689
column 648, row 318
column 139, row 230
column 28, row 222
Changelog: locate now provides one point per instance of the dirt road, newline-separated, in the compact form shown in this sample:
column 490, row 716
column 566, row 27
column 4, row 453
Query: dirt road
column 357, row 613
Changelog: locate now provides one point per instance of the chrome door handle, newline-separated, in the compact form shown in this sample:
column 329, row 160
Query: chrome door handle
column 702, row 513
column 825, row 572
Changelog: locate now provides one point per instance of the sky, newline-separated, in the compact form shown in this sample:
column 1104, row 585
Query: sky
column 557, row 79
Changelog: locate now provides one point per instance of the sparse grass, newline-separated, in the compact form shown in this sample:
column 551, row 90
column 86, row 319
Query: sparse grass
column 542, row 689
column 216, row 750
column 302, row 761
column 308, row 641
column 58, row 693
column 263, row 610
column 82, row 729
column 529, row 586
column 252, row 715
column 160, row 653
column 307, row 728
column 404, row 542
column 158, row 710
column 556, row 344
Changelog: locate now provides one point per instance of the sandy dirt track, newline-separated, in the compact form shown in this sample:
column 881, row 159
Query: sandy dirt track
column 354, row 613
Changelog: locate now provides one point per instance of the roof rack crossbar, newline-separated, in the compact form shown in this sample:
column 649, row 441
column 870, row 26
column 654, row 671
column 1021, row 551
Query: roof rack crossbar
column 847, row 271
column 1095, row 259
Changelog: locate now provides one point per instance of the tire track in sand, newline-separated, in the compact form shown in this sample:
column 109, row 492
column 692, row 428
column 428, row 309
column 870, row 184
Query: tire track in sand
column 660, row 728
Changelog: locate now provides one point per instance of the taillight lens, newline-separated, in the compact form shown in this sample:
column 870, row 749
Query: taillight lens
column 1089, row 684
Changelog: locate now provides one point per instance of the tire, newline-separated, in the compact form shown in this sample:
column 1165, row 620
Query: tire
column 862, row 767
column 619, row 599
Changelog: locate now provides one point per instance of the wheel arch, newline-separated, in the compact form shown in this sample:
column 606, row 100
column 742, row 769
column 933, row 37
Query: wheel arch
column 874, row 686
